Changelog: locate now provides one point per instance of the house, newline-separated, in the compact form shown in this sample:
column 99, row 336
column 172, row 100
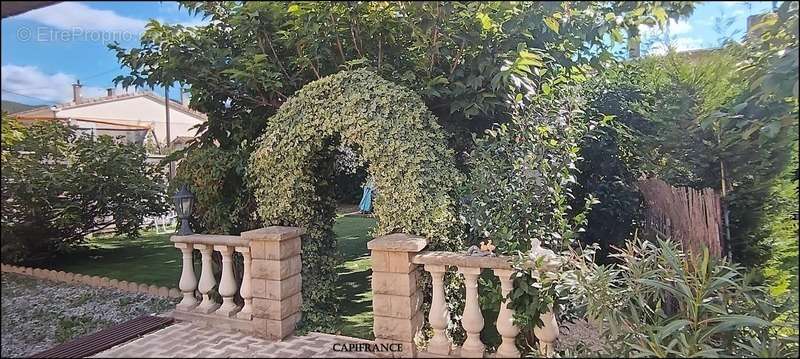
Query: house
column 139, row 117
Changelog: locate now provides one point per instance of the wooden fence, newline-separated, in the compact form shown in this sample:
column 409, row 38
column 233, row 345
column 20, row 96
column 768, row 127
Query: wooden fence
column 689, row 216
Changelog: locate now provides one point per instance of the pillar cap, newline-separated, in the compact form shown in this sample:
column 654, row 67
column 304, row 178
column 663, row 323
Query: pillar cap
column 210, row 239
column 398, row 242
column 273, row 233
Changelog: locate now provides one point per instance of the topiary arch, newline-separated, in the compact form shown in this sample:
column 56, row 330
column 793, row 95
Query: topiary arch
column 291, row 170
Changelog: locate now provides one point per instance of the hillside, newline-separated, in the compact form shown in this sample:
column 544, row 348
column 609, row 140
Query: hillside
column 13, row 107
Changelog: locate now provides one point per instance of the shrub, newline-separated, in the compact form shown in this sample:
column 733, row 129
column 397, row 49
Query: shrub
column 223, row 203
column 611, row 161
column 521, row 178
column 59, row 186
column 663, row 302
column 519, row 191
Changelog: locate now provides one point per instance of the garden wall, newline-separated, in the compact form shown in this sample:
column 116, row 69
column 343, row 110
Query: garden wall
column 94, row 281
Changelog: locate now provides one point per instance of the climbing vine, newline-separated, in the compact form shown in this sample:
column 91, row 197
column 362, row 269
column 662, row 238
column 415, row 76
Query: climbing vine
column 292, row 169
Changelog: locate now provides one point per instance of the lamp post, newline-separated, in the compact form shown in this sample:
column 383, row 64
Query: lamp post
column 183, row 207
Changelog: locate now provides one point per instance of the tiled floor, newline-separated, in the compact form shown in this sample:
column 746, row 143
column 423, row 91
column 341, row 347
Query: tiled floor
column 185, row 340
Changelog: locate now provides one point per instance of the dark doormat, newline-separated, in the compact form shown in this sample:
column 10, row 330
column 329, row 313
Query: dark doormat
column 94, row 343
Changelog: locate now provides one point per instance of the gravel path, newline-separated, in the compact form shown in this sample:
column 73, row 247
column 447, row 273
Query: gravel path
column 39, row 314
column 580, row 337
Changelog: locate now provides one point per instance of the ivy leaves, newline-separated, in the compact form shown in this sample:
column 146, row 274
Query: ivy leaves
column 292, row 166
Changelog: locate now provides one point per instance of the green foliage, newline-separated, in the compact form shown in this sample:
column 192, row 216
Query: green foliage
column 519, row 191
column 759, row 132
column 674, row 120
column 350, row 176
column 770, row 66
column 521, row 178
column 13, row 132
column 465, row 58
column 781, row 224
column 59, row 186
column 470, row 61
column 612, row 160
column 686, row 92
column 661, row 302
column 223, row 202
column 291, row 170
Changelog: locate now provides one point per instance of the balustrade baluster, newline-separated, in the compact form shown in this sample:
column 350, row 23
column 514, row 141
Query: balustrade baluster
column 472, row 320
column 227, row 284
column 246, row 290
column 207, row 281
column 505, row 320
column 547, row 334
column 439, row 315
column 188, row 282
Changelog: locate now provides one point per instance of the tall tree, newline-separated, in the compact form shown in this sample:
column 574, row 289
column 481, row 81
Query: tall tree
column 470, row 61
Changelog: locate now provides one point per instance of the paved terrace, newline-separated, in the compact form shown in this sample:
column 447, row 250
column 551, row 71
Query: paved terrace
column 188, row 340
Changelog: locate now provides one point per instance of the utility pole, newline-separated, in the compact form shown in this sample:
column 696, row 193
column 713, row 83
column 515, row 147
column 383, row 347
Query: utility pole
column 168, row 143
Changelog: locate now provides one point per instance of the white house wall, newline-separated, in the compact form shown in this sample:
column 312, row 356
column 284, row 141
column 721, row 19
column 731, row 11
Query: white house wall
column 142, row 111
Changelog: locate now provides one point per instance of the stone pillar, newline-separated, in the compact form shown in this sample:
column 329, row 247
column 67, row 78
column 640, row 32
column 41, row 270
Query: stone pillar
column 246, row 289
column 275, row 282
column 439, row 315
column 397, row 297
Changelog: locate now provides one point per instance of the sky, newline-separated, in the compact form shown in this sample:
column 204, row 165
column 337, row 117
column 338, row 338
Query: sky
column 45, row 50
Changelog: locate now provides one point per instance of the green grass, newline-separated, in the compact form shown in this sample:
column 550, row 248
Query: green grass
column 354, row 288
column 151, row 259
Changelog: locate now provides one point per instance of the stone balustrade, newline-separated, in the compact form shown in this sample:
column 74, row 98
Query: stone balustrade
column 398, row 260
column 270, row 286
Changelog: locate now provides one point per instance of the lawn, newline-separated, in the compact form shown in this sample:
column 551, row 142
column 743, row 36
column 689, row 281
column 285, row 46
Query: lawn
column 152, row 259
column 355, row 272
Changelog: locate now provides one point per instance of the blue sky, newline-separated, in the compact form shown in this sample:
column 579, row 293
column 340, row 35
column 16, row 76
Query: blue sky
column 45, row 50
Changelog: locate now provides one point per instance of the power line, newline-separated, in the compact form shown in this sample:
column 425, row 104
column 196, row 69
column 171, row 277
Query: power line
column 101, row 73
column 84, row 78
column 30, row 97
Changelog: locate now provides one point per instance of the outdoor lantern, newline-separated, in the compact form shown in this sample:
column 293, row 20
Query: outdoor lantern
column 183, row 207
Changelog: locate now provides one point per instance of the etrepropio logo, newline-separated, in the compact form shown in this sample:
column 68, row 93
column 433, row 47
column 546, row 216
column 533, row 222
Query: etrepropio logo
column 368, row 347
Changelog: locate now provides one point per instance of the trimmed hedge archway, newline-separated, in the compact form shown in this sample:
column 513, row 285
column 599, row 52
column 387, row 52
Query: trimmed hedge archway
column 291, row 170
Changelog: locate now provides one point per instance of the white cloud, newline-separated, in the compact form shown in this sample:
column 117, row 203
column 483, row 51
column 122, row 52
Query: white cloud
column 74, row 15
column 198, row 21
column 688, row 44
column 679, row 27
column 679, row 45
column 676, row 27
column 32, row 83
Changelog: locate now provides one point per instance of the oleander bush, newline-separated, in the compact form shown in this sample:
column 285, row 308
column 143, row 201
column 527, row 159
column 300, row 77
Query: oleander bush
column 659, row 301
